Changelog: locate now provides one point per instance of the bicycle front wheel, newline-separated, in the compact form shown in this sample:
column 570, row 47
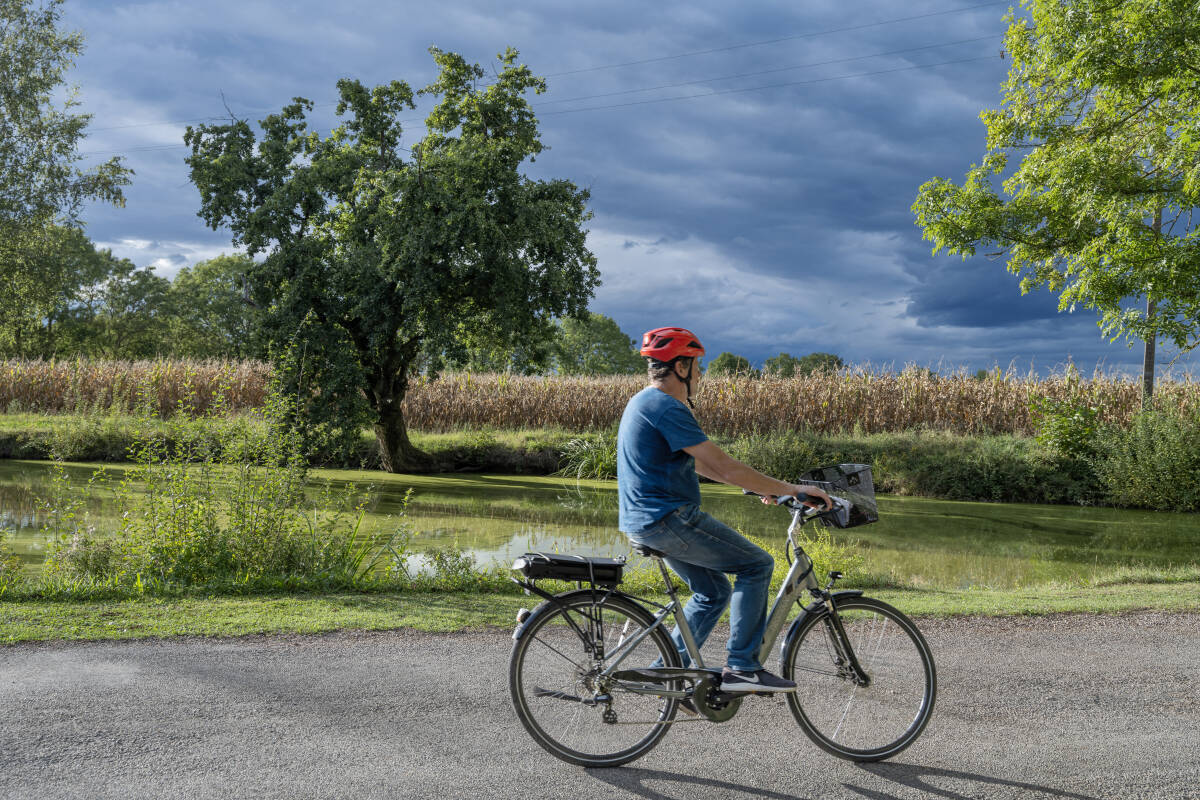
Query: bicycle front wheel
column 560, row 696
column 844, row 718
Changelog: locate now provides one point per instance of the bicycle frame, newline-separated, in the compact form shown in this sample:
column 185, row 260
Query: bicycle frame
column 800, row 578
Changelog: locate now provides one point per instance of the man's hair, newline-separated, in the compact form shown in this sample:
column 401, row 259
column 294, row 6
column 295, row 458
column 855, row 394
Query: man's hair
column 660, row 370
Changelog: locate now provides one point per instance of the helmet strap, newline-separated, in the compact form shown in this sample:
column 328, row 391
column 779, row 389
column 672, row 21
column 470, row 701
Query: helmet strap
column 688, row 381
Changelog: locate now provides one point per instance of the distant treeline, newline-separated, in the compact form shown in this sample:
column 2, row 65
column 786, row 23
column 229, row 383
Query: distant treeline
column 83, row 301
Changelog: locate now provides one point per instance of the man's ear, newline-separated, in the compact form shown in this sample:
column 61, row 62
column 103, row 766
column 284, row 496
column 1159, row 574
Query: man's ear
column 680, row 365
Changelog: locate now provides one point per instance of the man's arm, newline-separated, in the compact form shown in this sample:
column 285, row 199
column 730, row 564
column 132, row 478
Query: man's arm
column 715, row 464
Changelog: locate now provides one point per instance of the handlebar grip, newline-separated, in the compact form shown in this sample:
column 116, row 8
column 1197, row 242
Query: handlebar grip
column 799, row 497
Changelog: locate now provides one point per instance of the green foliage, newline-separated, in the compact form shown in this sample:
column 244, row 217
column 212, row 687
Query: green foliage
column 210, row 315
column 781, row 366
column 1092, row 169
column 125, row 315
column 819, row 362
column 476, row 351
column 41, row 189
column 11, row 570
column 728, row 364
column 318, row 368
column 784, row 454
column 1068, row 427
column 188, row 523
column 1154, row 463
column 39, row 132
column 48, row 279
column 593, row 456
column 396, row 253
column 595, row 345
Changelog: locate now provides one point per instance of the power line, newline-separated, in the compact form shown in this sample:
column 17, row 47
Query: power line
column 765, row 71
column 778, row 40
column 767, row 86
column 152, row 124
column 659, row 99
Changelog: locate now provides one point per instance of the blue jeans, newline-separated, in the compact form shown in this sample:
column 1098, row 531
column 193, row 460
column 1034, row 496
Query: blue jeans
column 702, row 551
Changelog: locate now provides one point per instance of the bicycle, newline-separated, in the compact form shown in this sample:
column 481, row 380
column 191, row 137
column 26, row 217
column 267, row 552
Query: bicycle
column 585, row 671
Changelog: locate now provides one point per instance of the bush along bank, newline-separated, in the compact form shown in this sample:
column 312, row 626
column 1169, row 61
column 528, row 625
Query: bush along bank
column 1152, row 463
column 239, row 516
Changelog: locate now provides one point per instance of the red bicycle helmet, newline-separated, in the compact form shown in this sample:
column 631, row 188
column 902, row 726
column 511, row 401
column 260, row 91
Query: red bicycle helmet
column 664, row 344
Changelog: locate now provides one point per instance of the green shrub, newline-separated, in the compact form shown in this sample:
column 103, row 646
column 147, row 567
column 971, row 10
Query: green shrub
column 1068, row 427
column 784, row 455
column 1155, row 463
column 593, row 456
column 189, row 522
column 11, row 570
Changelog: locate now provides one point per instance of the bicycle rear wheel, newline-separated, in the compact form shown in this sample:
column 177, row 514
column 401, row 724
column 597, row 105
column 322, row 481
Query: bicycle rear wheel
column 861, row 723
column 554, row 679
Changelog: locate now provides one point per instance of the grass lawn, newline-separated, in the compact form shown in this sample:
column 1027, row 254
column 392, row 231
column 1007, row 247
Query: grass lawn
column 41, row 620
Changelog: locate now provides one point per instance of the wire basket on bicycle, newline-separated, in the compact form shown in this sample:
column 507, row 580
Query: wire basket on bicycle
column 852, row 483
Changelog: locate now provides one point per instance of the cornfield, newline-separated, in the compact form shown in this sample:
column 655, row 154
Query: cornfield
column 56, row 387
column 871, row 402
column 821, row 403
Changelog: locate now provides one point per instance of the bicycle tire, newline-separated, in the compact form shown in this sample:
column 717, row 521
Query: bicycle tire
column 857, row 723
column 586, row 739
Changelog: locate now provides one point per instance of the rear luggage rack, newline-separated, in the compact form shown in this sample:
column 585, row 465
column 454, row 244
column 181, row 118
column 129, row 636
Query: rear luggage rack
column 575, row 569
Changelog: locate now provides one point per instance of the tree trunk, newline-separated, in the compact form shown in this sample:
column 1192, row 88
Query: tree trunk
column 1148, row 354
column 396, row 452
column 1148, row 361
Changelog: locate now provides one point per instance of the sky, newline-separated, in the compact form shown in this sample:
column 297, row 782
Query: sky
column 751, row 165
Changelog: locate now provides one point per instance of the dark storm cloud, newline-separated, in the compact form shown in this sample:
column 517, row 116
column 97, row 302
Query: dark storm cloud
column 774, row 219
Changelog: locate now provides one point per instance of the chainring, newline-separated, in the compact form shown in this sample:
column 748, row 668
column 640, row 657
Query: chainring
column 715, row 705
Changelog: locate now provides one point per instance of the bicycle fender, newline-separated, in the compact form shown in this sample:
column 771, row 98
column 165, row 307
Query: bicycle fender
column 553, row 601
column 812, row 608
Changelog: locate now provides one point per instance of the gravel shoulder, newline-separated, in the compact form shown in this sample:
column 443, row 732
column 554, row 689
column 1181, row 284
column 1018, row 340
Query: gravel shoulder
column 1067, row 706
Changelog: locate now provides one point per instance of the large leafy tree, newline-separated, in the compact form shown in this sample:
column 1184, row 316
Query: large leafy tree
column 210, row 315
column 41, row 186
column 374, row 254
column 786, row 365
column 731, row 365
column 126, row 314
column 1092, row 175
column 595, row 345
column 52, row 277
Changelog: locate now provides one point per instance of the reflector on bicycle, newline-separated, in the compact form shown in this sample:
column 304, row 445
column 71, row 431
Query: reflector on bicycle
column 851, row 482
column 562, row 567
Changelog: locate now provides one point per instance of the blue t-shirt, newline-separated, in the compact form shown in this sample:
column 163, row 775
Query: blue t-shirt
column 654, row 475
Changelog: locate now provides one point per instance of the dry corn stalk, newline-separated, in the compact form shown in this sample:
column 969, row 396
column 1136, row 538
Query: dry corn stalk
column 165, row 386
column 869, row 402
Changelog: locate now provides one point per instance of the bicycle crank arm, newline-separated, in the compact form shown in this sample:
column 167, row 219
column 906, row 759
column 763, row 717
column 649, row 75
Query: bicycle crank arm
column 650, row 689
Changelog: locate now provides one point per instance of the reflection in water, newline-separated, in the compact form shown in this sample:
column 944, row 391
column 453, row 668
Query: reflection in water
column 497, row 517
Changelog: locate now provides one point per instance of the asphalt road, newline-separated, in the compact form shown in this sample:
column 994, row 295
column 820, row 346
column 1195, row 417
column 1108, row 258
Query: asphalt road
column 1058, row 707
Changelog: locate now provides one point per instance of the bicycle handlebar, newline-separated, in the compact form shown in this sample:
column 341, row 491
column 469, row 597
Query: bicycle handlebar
column 800, row 500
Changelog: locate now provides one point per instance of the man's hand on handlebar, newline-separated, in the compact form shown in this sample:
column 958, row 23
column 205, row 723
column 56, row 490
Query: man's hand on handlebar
column 811, row 496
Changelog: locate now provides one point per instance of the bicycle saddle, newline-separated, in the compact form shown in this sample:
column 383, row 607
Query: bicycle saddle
column 647, row 551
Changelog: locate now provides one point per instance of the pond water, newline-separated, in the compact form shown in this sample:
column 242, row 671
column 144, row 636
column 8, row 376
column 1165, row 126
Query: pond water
column 934, row 543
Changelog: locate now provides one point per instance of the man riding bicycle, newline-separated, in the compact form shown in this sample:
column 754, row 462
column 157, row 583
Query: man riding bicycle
column 660, row 450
